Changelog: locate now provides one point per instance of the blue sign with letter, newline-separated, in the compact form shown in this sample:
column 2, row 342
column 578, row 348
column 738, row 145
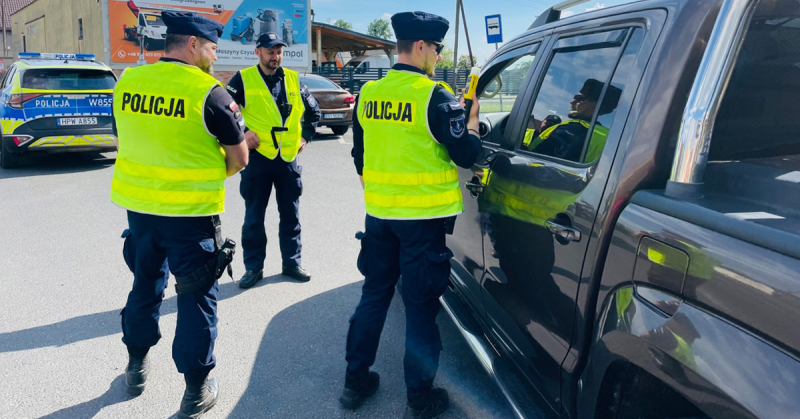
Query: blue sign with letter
column 494, row 29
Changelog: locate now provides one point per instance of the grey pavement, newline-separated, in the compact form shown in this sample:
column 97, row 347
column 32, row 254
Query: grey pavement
column 280, row 350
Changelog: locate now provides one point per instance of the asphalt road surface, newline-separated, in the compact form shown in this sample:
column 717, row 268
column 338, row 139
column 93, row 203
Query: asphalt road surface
column 280, row 350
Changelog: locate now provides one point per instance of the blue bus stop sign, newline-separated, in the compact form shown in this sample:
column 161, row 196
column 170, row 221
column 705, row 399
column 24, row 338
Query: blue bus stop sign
column 494, row 29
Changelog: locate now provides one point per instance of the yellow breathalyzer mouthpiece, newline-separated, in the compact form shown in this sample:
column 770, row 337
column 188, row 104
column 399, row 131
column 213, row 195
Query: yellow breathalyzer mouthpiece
column 469, row 94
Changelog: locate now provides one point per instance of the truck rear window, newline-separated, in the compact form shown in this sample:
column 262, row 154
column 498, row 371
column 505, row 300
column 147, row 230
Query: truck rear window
column 758, row 116
column 67, row 79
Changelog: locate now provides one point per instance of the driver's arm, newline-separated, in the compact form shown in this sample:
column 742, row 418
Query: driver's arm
column 448, row 124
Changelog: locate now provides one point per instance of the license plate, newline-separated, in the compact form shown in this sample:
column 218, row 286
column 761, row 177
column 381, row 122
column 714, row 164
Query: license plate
column 63, row 122
column 333, row 116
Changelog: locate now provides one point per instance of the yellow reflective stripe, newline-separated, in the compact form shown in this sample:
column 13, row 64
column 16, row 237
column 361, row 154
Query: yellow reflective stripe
column 413, row 201
column 436, row 178
column 167, row 197
column 169, row 173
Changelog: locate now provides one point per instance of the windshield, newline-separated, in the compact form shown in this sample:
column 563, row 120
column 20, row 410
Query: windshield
column 352, row 63
column 318, row 83
column 154, row 20
column 67, row 79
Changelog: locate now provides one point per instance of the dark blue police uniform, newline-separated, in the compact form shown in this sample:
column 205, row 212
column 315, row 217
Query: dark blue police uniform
column 262, row 174
column 415, row 248
column 157, row 245
column 188, row 247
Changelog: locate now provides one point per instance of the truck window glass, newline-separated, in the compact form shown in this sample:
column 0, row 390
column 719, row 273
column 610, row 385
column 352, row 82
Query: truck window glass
column 610, row 100
column 758, row 116
column 67, row 79
column 568, row 101
column 501, row 92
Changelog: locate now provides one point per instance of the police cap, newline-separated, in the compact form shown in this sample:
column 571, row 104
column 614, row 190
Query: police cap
column 190, row 23
column 269, row 40
column 416, row 26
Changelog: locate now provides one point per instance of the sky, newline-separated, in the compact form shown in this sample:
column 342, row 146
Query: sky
column 516, row 16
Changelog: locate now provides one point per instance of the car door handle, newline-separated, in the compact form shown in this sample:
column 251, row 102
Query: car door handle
column 564, row 232
column 474, row 188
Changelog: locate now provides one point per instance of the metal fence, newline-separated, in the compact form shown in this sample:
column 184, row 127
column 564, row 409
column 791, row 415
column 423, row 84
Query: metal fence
column 352, row 79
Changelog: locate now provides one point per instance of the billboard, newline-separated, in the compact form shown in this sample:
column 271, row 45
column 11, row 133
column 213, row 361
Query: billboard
column 136, row 25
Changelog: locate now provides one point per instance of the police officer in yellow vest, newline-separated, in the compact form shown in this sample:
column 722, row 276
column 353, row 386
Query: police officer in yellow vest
column 281, row 116
column 180, row 135
column 409, row 134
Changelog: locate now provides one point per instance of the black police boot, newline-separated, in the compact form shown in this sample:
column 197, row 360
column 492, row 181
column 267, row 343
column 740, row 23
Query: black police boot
column 429, row 406
column 136, row 371
column 297, row 273
column 250, row 278
column 359, row 389
column 200, row 395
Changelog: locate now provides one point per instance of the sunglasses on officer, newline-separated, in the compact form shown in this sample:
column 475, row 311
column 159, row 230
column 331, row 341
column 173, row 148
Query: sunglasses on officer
column 579, row 98
column 439, row 47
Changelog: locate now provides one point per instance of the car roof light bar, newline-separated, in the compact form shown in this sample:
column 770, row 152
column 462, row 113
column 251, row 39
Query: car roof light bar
column 55, row 56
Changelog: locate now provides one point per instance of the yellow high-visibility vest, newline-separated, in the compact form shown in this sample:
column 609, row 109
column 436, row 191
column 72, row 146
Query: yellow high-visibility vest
column 261, row 114
column 168, row 163
column 596, row 143
column 407, row 174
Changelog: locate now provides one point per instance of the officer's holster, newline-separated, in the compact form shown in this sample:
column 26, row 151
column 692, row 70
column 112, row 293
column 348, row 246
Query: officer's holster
column 214, row 268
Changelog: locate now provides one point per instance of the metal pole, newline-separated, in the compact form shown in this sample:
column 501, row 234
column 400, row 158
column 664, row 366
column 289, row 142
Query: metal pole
column 697, row 126
column 5, row 29
column 455, row 50
column 466, row 33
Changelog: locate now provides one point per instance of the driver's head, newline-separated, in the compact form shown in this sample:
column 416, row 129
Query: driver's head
column 192, row 38
column 583, row 105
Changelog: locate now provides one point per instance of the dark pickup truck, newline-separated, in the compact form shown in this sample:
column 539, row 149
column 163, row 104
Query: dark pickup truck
column 630, row 246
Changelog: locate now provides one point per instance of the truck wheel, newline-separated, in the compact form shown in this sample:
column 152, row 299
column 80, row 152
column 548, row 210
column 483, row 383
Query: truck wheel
column 8, row 160
column 340, row 129
column 148, row 45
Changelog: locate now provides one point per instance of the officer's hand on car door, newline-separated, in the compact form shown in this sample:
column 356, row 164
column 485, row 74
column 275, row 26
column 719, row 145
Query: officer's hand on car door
column 252, row 140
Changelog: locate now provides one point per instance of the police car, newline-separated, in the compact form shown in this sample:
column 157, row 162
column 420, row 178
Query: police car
column 55, row 102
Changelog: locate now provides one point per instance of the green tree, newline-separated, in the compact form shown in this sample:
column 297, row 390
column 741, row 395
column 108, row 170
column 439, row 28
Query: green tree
column 343, row 24
column 380, row 28
column 464, row 63
column 447, row 59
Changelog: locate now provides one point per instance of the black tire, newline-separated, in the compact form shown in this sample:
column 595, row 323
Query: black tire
column 148, row 44
column 340, row 129
column 8, row 160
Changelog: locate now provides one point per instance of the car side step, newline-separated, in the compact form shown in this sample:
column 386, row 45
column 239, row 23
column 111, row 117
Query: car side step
column 523, row 398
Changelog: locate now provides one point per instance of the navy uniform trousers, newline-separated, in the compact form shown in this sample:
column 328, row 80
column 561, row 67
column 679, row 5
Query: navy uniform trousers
column 258, row 178
column 154, row 247
column 416, row 250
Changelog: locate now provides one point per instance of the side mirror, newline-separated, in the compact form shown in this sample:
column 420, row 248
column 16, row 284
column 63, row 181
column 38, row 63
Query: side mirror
column 493, row 88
